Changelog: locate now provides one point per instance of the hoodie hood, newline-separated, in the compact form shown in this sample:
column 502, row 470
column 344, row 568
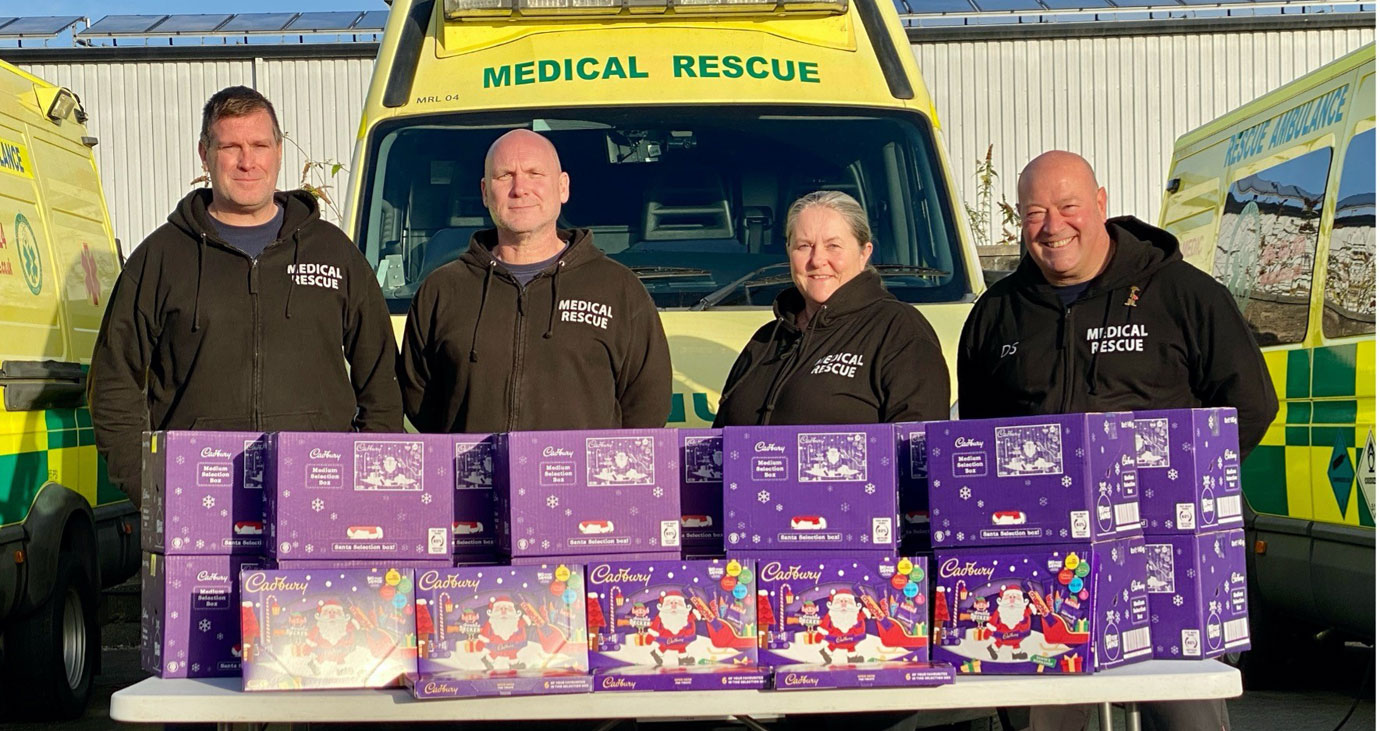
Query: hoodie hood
column 1138, row 251
column 856, row 295
column 579, row 249
column 192, row 214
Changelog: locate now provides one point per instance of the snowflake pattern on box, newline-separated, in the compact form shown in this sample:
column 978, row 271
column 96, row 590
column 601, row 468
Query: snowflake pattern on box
column 839, row 457
column 613, row 461
column 389, row 465
column 1036, row 449
column 703, row 458
column 474, row 465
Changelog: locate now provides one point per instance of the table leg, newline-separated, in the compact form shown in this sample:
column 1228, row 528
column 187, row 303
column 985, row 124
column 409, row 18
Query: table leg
column 1104, row 716
column 1132, row 717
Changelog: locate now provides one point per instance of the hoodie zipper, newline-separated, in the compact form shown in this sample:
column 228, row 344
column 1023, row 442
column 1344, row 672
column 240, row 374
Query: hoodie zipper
column 257, row 368
column 1067, row 326
column 515, row 391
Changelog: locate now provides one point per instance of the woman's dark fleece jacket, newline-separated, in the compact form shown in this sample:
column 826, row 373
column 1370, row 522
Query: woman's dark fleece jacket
column 864, row 358
column 1149, row 332
column 198, row 335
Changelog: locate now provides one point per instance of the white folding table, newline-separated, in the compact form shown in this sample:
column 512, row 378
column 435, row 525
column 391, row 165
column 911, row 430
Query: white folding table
column 221, row 701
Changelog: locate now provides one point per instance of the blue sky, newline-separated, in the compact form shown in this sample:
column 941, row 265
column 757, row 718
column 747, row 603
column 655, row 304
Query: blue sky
column 96, row 9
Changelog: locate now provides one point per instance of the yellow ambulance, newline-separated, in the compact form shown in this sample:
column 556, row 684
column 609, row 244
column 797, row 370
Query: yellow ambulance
column 65, row 531
column 1277, row 201
column 687, row 127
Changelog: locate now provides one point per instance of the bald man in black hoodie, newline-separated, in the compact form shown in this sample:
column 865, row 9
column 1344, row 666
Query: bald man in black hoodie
column 1105, row 315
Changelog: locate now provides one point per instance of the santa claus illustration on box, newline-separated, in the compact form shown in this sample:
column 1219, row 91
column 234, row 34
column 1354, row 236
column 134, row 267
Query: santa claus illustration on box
column 673, row 629
column 504, row 634
column 1010, row 624
column 843, row 627
column 332, row 638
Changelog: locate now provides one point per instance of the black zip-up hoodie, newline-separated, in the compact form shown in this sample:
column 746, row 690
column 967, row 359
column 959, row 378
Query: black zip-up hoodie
column 1150, row 332
column 198, row 335
column 864, row 358
column 580, row 347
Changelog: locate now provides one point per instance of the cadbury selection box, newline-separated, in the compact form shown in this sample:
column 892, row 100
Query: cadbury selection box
column 1030, row 480
column 479, row 480
column 913, row 486
column 701, row 492
column 1197, row 588
column 189, row 622
column 1189, row 468
column 203, row 492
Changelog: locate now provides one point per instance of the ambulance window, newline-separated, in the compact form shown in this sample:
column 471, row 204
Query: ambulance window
column 1349, row 294
column 1267, row 241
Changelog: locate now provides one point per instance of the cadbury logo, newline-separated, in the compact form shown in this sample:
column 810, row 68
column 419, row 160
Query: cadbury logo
column 324, row 454
column 966, row 442
column 1229, row 420
column 436, row 688
column 1238, row 542
column 212, row 452
column 774, row 572
column 1137, row 585
column 211, row 576
column 792, row 679
column 1229, row 455
column 1238, row 578
column 433, row 580
column 605, row 574
column 556, row 452
column 952, row 567
column 765, row 447
column 257, row 583
column 621, row 683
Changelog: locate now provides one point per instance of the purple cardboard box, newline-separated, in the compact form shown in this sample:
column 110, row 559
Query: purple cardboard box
column 420, row 564
column 478, row 483
column 574, row 493
column 190, row 622
column 1057, row 608
column 473, row 683
column 1188, row 464
column 823, row 610
column 864, row 675
column 500, row 630
column 203, row 492
column 1032, row 480
column 359, row 496
column 327, row 628
column 701, row 491
column 814, row 488
column 594, row 557
column 913, row 485
column 1197, row 586
column 671, row 625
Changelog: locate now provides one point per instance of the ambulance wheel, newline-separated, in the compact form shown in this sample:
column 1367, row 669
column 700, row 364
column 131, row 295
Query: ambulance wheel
column 52, row 653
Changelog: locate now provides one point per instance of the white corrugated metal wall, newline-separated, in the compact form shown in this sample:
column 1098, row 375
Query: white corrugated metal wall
column 1120, row 101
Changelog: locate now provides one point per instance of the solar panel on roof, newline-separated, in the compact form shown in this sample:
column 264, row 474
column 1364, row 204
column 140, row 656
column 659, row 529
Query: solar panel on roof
column 1075, row 4
column 942, row 6
column 50, row 25
column 204, row 23
column 4, row 21
column 372, row 20
column 1008, row 5
column 309, row 22
column 122, row 24
column 257, row 22
column 1144, row 3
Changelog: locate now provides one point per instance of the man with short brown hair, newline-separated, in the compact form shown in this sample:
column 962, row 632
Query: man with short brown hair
column 243, row 311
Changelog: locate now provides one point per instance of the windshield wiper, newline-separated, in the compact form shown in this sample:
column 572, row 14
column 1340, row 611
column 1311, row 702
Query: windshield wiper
column 901, row 270
column 718, row 295
column 657, row 272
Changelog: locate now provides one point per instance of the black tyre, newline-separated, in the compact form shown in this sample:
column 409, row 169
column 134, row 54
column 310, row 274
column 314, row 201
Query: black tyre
column 51, row 654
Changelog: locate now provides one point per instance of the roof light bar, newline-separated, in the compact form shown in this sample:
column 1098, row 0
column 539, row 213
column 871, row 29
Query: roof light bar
column 480, row 9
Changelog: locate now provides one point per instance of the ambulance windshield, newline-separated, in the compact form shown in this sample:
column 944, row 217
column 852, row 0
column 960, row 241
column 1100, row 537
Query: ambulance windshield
column 693, row 201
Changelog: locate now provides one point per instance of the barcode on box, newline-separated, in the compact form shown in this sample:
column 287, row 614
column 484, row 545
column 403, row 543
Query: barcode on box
column 1228, row 506
column 1236, row 631
column 1127, row 514
column 1135, row 642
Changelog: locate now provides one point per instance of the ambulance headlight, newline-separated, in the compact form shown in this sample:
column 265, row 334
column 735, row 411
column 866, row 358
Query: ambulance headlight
column 570, row 7
column 62, row 106
column 456, row 9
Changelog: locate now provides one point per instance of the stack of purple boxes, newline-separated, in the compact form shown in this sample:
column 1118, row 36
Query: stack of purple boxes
column 701, row 493
column 913, row 486
column 1190, row 478
column 1039, row 557
column 202, row 521
column 587, row 496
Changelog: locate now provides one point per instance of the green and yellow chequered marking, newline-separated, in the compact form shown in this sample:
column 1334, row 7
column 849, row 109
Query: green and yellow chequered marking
column 1306, row 465
column 56, row 445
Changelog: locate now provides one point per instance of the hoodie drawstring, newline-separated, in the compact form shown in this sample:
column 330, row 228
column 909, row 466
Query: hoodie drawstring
column 292, row 279
column 200, row 271
column 1106, row 316
column 790, row 370
column 555, row 300
column 483, row 300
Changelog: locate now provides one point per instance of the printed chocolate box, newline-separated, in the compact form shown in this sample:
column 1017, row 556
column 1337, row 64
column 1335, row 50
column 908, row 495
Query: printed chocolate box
column 660, row 621
column 501, row 629
column 203, row 492
column 822, row 610
column 327, row 628
column 810, row 488
column 478, row 482
column 592, row 492
column 913, row 485
column 701, row 490
column 190, row 622
column 1197, row 587
column 474, row 683
column 1188, row 465
column 1031, row 480
column 359, row 496
column 1058, row 608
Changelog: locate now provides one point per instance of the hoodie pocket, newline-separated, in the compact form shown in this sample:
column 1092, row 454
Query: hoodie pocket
column 293, row 421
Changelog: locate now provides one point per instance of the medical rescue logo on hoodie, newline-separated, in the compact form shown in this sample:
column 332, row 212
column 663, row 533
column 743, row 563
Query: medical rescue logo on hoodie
column 840, row 364
column 597, row 314
column 326, row 276
column 1128, row 338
